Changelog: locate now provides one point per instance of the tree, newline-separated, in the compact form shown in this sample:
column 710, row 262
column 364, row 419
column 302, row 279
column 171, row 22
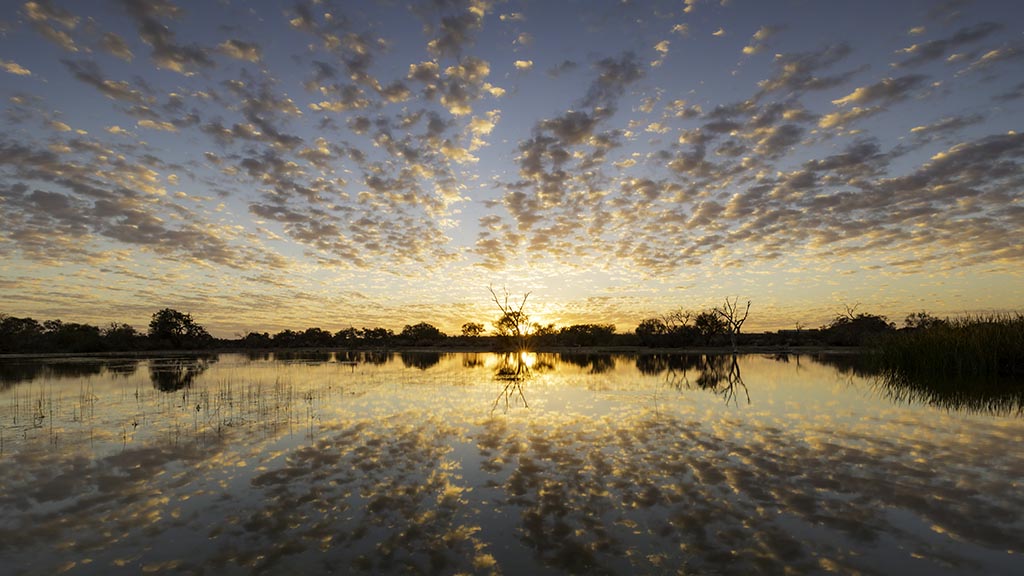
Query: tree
column 316, row 337
column 256, row 340
column 513, row 323
column 855, row 329
column 177, row 330
column 708, row 324
column 120, row 336
column 923, row 320
column 586, row 334
column 651, row 331
column 730, row 315
column 19, row 334
column 378, row 336
column 72, row 337
column 347, row 337
column 472, row 329
column 422, row 333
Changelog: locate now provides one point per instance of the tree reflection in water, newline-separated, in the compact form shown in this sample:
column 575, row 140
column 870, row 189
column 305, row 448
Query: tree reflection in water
column 512, row 370
column 716, row 373
column 595, row 363
column 17, row 371
column 421, row 360
column 173, row 374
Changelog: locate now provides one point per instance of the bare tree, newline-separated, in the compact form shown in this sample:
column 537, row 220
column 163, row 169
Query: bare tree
column 730, row 314
column 513, row 322
column 677, row 319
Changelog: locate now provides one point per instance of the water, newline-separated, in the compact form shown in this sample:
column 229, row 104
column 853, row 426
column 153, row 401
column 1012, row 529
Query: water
column 487, row 463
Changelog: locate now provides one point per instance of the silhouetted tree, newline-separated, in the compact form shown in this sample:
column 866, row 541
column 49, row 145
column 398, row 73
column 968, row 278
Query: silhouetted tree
column 586, row 334
column 472, row 329
column 257, row 340
column 316, row 337
column 651, row 332
column 286, row 339
column 347, row 337
column 71, row 337
column 923, row 320
column 732, row 318
column 19, row 334
column 173, row 329
column 513, row 324
column 421, row 334
column 378, row 336
column 855, row 329
column 121, row 337
column 708, row 325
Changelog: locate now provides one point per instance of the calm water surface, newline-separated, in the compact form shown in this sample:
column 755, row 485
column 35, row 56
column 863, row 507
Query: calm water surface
column 489, row 463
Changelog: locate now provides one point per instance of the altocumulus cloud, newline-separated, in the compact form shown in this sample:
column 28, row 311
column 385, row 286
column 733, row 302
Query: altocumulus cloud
column 415, row 139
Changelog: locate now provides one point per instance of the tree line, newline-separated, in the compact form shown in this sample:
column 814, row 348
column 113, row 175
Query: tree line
column 721, row 326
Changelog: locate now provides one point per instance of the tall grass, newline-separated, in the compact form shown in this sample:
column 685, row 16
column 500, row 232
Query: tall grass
column 972, row 348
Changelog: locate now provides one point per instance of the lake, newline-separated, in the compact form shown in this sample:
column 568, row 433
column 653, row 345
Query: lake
column 500, row 463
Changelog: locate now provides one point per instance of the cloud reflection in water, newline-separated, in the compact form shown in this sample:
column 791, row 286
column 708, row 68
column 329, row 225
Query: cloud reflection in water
column 393, row 466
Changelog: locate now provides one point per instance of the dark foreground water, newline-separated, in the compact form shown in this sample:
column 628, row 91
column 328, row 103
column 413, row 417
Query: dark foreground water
column 483, row 463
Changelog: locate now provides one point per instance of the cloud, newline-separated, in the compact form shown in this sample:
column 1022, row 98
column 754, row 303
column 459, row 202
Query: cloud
column 798, row 72
column 14, row 68
column 844, row 117
column 759, row 40
column 463, row 84
column 89, row 72
column 918, row 54
column 948, row 125
column 662, row 49
column 1014, row 93
column 561, row 68
column 457, row 29
column 523, row 65
column 240, row 50
column 571, row 128
column 886, row 91
column 116, row 46
column 154, row 125
column 43, row 16
column 993, row 57
column 166, row 52
column 614, row 76
column 123, row 206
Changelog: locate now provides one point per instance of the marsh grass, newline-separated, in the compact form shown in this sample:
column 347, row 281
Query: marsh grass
column 970, row 363
column 974, row 348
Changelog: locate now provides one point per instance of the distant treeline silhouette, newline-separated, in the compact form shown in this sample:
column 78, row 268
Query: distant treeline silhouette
column 170, row 329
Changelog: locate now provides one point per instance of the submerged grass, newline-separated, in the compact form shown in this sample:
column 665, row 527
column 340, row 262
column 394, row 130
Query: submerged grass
column 974, row 348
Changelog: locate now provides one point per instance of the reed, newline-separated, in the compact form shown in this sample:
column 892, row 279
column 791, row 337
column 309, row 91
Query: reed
column 972, row 347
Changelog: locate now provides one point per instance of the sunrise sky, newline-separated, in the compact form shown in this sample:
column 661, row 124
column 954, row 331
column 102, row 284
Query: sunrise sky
column 272, row 165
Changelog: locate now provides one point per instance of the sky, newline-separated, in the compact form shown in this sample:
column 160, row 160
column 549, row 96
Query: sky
column 283, row 165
